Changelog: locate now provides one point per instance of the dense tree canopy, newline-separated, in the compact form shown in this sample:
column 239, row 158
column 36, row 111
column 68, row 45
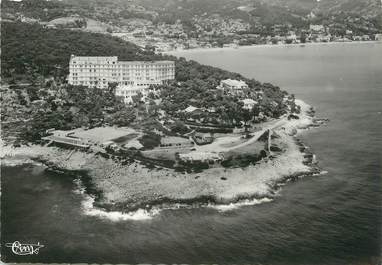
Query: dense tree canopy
column 32, row 53
column 74, row 107
column 30, row 49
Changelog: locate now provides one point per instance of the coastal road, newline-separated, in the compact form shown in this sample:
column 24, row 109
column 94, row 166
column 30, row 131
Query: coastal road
column 217, row 145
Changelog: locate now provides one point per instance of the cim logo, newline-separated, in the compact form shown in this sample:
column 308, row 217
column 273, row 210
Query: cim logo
column 24, row 249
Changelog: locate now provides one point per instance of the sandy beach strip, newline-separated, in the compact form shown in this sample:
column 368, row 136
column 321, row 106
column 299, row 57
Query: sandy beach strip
column 216, row 49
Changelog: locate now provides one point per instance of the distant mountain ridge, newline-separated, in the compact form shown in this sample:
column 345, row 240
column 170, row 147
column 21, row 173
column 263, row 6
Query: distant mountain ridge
column 197, row 7
column 258, row 13
column 364, row 7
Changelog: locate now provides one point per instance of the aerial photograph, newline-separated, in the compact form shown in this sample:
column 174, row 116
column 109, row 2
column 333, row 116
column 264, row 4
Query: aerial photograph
column 191, row 132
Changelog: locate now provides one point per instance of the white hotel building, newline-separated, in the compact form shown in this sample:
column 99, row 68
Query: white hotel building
column 131, row 76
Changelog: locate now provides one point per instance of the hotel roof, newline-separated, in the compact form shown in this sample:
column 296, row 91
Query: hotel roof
column 113, row 59
column 232, row 82
column 94, row 58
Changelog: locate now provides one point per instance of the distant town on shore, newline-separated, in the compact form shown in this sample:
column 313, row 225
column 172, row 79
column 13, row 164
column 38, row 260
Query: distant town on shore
column 226, row 24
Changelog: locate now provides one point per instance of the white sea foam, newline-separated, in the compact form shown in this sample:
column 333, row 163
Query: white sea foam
column 115, row 216
column 13, row 162
column 314, row 160
column 80, row 188
column 236, row 205
column 142, row 214
column 321, row 173
column 89, row 209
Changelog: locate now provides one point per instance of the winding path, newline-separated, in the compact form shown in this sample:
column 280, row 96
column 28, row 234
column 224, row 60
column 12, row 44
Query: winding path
column 216, row 146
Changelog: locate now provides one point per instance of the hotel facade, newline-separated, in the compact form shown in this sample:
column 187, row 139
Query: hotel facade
column 132, row 77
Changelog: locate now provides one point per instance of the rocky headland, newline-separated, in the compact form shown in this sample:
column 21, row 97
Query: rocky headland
column 128, row 185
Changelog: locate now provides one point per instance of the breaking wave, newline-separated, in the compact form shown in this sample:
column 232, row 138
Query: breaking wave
column 236, row 205
column 142, row 214
column 138, row 215
column 89, row 209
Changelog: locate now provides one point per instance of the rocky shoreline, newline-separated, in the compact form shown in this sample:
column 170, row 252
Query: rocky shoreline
column 130, row 185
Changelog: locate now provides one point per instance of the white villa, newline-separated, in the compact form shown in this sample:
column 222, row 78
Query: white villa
column 316, row 28
column 131, row 76
column 232, row 86
column 249, row 103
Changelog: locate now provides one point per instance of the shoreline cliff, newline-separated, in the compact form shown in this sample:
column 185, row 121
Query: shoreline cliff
column 130, row 185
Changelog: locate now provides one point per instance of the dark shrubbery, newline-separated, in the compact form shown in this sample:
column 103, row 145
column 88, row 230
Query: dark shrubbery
column 196, row 166
column 275, row 148
column 213, row 130
column 243, row 160
column 80, row 107
column 179, row 127
column 30, row 49
column 264, row 137
column 150, row 140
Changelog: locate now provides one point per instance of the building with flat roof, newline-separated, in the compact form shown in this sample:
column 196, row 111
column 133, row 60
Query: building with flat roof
column 233, row 86
column 317, row 28
column 88, row 137
column 131, row 76
column 248, row 103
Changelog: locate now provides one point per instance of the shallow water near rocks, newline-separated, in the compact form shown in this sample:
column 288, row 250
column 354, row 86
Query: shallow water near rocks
column 332, row 218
